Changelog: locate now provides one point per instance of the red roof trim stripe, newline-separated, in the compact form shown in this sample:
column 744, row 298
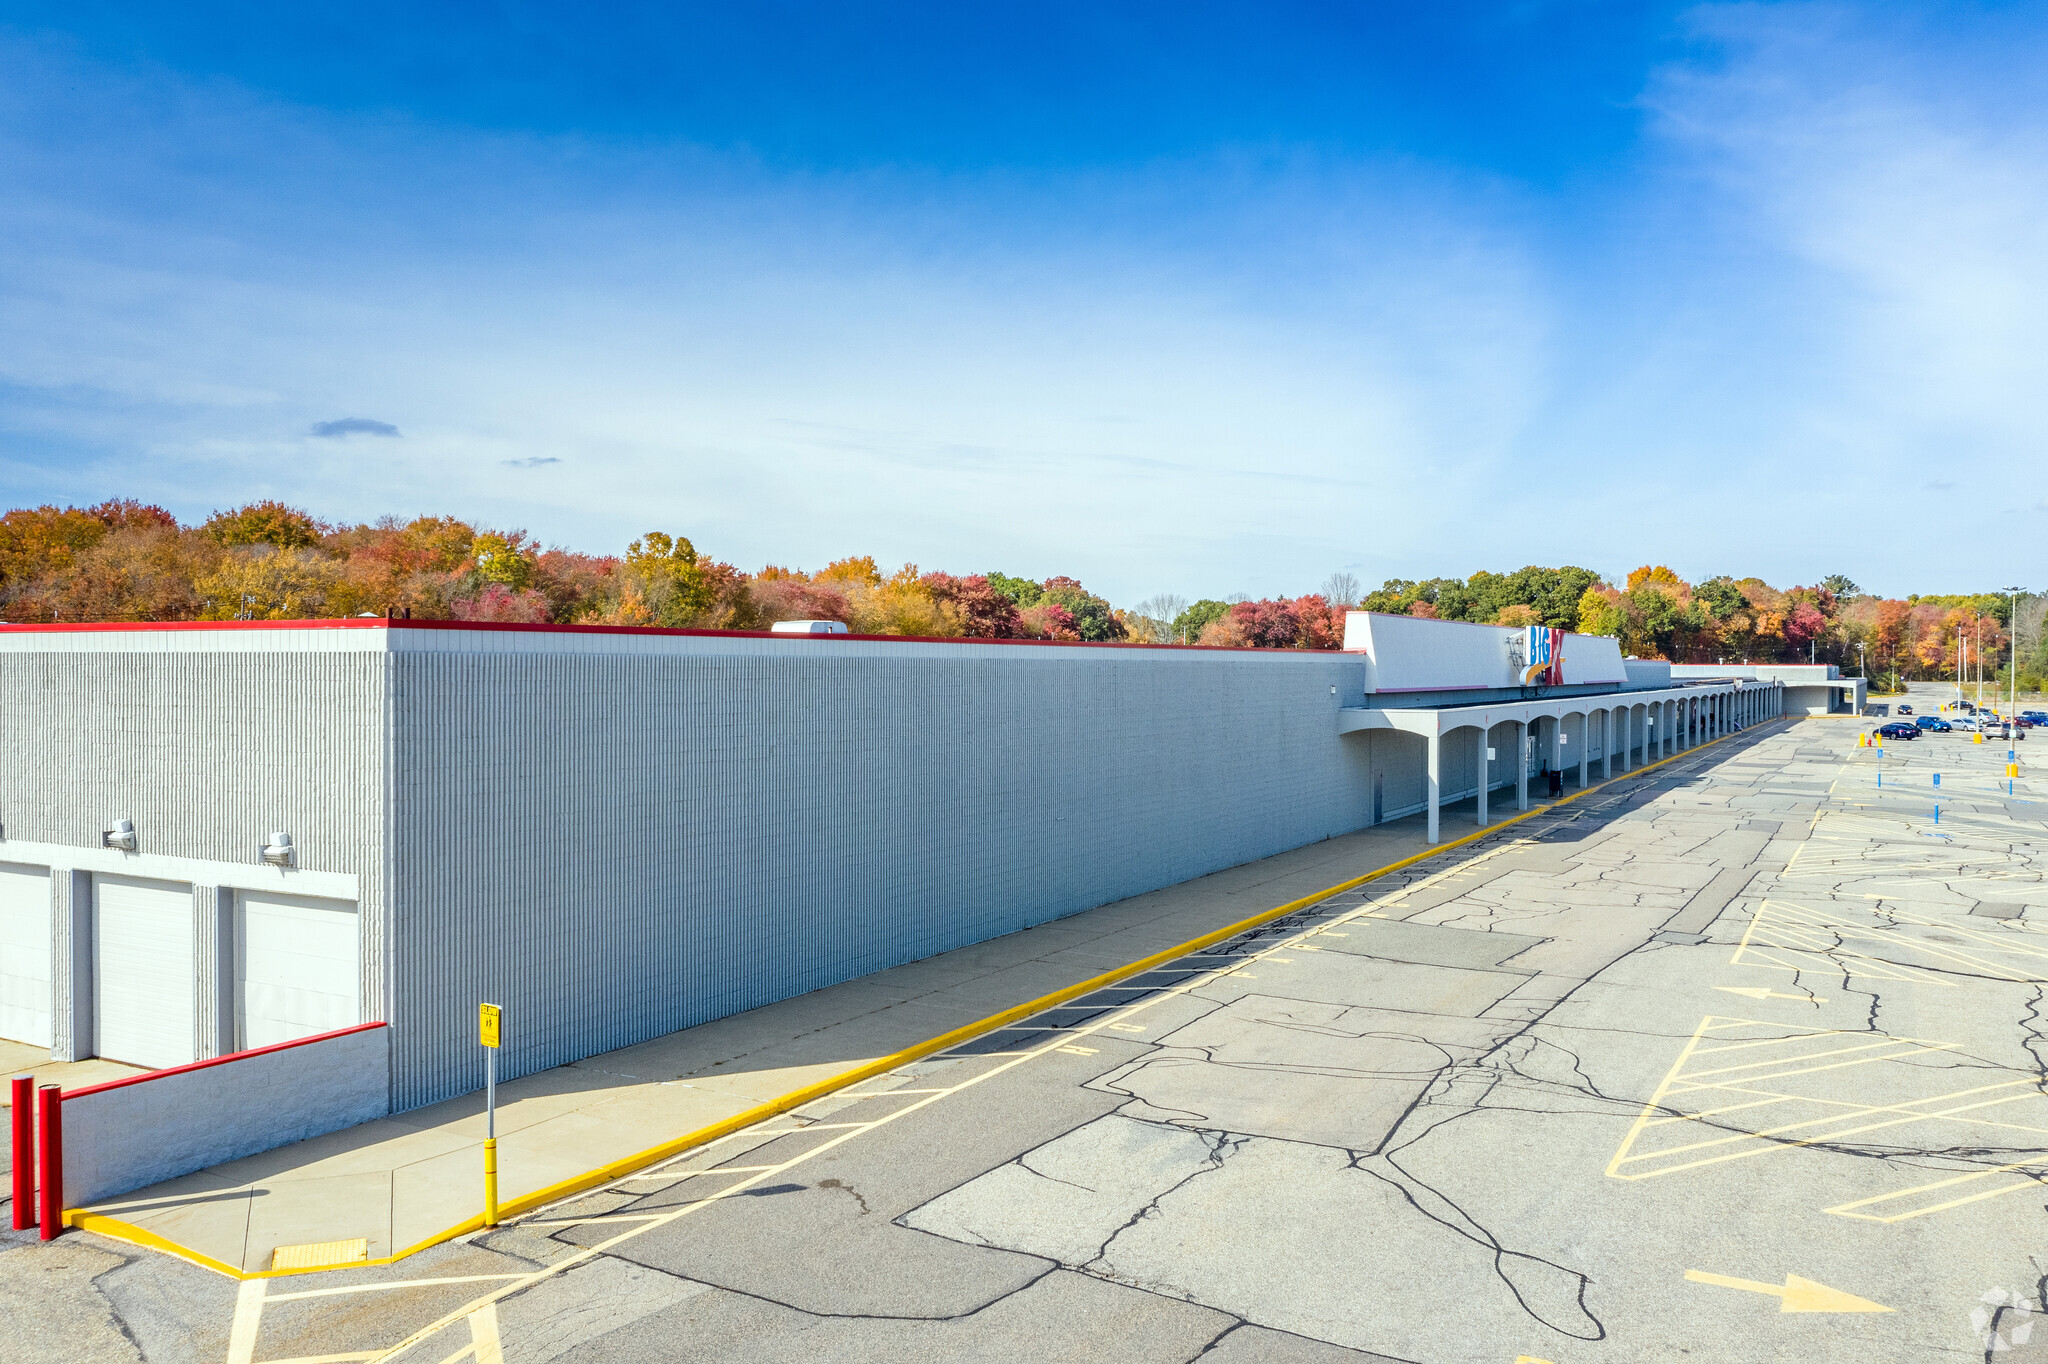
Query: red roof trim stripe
column 135, row 626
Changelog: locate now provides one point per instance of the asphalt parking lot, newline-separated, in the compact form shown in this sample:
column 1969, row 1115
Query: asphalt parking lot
column 1736, row 1059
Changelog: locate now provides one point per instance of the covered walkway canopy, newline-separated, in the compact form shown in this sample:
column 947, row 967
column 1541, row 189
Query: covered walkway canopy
column 1562, row 731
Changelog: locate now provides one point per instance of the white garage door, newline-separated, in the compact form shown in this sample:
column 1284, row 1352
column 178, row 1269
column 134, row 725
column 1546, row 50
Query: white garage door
column 25, row 954
column 144, row 989
column 295, row 967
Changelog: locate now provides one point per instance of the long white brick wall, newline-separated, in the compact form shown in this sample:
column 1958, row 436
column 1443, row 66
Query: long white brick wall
column 617, row 835
column 615, row 845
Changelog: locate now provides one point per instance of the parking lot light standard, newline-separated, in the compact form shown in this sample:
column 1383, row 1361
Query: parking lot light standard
column 2012, row 651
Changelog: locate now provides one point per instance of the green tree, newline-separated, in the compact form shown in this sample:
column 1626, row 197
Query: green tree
column 675, row 590
column 1022, row 591
column 1552, row 593
column 1721, row 597
column 1841, row 585
column 1449, row 598
column 1602, row 611
column 1189, row 624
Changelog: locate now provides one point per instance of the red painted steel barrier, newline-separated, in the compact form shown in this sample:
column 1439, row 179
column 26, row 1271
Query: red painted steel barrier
column 50, row 1119
column 24, row 1114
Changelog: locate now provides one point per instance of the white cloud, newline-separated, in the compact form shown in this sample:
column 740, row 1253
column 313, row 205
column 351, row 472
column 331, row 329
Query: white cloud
column 1907, row 166
column 1191, row 375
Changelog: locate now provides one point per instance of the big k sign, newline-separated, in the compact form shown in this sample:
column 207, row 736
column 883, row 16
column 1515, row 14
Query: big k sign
column 1543, row 657
column 1411, row 654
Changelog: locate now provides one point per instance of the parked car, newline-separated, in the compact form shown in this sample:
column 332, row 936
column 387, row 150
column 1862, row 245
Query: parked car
column 1964, row 723
column 1905, row 710
column 2039, row 717
column 1934, row 723
column 1898, row 729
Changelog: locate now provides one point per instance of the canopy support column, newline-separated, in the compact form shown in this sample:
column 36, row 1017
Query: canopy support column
column 1432, row 779
column 1485, row 773
column 1521, row 764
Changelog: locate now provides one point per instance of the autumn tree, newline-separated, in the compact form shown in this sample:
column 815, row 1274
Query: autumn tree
column 507, row 560
column 1888, row 633
column 979, row 610
column 790, row 596
column 267, row 582
column 125, row 513
column 1093, row 619
column 264, row 523
column 137, row 571
column 38, row 540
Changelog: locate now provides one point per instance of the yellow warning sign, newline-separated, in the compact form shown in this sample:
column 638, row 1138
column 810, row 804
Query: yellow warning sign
column 487, row 1016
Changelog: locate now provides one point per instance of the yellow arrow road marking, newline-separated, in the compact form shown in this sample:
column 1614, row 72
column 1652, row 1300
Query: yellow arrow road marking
column 1795, row 1294
column 1764, row 992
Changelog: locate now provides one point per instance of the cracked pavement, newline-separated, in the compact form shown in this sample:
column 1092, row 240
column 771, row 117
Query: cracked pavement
column 1588, row 1089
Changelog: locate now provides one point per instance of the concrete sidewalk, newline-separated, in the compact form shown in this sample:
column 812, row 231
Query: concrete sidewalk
column 22, row 1058
column 405, row 1181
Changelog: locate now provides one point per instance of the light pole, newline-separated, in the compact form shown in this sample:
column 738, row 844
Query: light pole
column 2012, row 654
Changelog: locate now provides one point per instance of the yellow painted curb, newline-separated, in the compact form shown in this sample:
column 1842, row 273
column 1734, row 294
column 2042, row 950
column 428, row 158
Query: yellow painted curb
column 127, row 1231
column 86, row 1220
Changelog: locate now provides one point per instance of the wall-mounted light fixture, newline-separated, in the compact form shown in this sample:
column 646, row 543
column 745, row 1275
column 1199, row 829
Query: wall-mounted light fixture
column 121, row 836
column 278, row 851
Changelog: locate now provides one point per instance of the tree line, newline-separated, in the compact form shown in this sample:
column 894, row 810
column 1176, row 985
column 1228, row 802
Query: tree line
column 127, row 560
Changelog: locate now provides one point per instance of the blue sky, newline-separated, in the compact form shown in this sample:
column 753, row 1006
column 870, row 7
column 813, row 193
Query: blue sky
column 1196, row 299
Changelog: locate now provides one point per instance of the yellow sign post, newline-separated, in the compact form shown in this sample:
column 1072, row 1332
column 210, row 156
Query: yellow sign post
column 489, row 1023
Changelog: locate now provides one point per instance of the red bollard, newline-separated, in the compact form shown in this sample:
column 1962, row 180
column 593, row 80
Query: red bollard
column 24, row 1115
column 50, row 1122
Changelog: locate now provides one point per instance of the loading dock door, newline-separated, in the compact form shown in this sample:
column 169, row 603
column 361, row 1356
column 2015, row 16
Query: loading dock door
column 145, row 989
column 296, row 967
column 25, row 954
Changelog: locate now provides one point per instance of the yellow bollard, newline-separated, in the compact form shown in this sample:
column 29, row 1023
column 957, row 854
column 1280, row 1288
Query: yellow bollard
column 490, row 1181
